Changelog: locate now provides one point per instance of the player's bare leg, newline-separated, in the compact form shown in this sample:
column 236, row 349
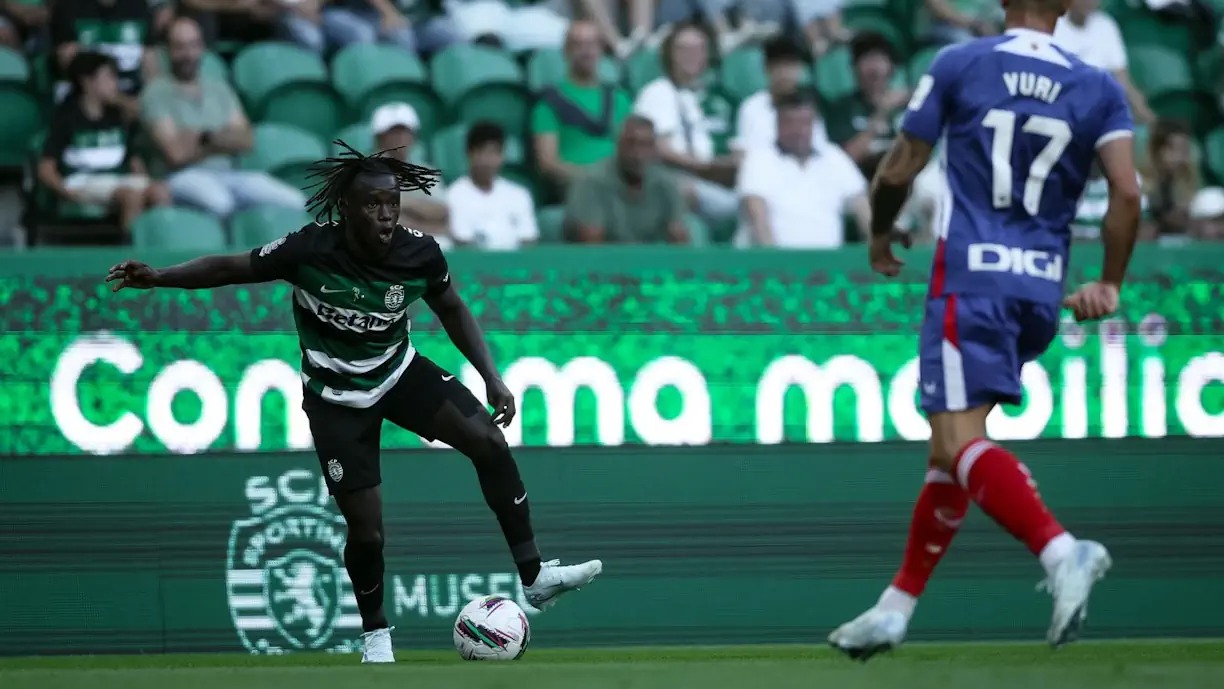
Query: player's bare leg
column 481, row 441
column 363, row 558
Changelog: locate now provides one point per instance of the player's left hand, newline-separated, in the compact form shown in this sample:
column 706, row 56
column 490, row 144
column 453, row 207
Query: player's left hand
column 883, row 261
column 1092, row 301
column 502, row 402
column 132, row 274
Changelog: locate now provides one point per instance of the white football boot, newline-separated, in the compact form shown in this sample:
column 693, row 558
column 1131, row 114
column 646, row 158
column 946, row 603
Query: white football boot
column 377, row 646
column 555, row 579
column 875, row 631
column 1070, row 585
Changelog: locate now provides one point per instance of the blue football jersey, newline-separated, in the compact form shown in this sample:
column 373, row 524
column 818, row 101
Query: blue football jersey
column 1018, row 121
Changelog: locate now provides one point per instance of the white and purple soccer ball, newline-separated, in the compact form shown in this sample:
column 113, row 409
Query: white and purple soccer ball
column 492, row 628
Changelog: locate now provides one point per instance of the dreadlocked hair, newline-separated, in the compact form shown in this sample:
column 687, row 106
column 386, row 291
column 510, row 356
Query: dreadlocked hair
column 335, row 175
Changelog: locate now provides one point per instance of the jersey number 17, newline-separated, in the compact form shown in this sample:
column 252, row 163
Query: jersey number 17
column 1003, row 124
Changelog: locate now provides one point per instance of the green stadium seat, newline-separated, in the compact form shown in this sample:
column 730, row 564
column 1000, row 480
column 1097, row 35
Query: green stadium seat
column 551, row 221
column 283, row 83
column 1160, row 71
column 835, row 74
column 450, row 154
column 177, row 229
column 642, row 68
column 879, row 20
column 258, row 226
column 547, row 66
column 367, row 75
column 742, row 73
column 1214, row 145
column 481, row 83
column 920, row 63
column 22, row 110
column 1140, row 27
column 211, row 65
column 285, row 152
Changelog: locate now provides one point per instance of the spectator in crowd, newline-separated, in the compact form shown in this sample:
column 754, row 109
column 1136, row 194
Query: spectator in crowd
column 865, row 122
column 88, row 157
column 197, row 125
column 345, row 22
column 395, row 127
column 630, row 197
column 295, row 21
column 1093, row 36
column 821, row 22
column 1094, row 203
column 1172, row 179
column 957, row 21
column 676, row 104
column 1207, row 214
column 487, row 210
column 122, row 29
column 794, row 195
column 19, row 21
column 521, row 28
column 574, row 124
column 756, row 121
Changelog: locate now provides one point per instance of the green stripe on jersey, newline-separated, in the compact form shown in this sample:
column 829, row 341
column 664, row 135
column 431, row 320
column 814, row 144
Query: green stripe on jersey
column 353, row 333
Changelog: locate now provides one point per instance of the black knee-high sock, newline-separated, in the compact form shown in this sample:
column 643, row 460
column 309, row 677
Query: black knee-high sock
column 363, row 558
column 505, row 495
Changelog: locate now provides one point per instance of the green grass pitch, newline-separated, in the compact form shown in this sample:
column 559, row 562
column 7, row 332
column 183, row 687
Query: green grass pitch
column 1103, row 665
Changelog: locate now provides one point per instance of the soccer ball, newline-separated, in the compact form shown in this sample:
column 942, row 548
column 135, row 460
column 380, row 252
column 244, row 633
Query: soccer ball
column 492, row 628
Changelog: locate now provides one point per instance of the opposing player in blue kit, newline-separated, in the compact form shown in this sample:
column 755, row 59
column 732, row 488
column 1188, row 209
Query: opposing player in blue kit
column 1020, row 122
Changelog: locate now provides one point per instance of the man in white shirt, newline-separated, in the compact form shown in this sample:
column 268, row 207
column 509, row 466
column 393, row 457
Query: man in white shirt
column 795, row 195
column 674, row 105
column 756, row 120
column 1093, row 36
column 486, row 210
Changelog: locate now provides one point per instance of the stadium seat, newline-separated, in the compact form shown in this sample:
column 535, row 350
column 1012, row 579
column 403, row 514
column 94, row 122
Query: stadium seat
column 284, row 151
column 877, row 19
column 481, row 83
column 22, row 109
column 177, row 229
column 835, row 75
column 547, row 66
column 211, row 65
column 367, row 75
column 258, row 226
column 742, row 73
column 450, row 154
column 283, row 83
column 551, row 221
column 1215, row 154
column 921, row 62
column 1160, row 71
column 642, row 68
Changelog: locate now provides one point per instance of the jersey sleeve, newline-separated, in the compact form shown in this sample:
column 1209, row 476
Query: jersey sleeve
column 1116, row 121
column 279, row 259
column 928, row 107
column 437, row 271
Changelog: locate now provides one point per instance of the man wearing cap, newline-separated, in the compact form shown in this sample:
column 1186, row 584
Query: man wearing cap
column 395, row 126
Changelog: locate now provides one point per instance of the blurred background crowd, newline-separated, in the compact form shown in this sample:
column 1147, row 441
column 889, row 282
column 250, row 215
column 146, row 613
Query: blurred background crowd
column 191, row 123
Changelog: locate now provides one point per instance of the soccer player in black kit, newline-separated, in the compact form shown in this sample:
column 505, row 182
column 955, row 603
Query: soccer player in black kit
column 353, row 280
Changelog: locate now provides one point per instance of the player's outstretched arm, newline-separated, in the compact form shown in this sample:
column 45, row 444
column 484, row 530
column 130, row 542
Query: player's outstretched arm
column 198, row 273
column 469, row 339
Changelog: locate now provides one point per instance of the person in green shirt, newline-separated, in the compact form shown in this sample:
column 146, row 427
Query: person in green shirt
column 630, row 197
column 575, row 122
column 865, row 122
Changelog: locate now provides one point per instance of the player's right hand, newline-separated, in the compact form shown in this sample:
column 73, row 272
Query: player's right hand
column 1092, row 301
column 133, row 274
column 883, row 261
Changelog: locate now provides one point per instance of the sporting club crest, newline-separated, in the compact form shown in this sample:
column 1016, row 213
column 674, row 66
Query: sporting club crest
column 285, row 581
column 394, row 298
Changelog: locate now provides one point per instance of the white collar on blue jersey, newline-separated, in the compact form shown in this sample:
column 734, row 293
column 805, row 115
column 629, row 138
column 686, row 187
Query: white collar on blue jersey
column 1030, row 33
column 1034, row 44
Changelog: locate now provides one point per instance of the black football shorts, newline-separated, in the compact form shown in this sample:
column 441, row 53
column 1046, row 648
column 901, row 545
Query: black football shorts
column 347, row 440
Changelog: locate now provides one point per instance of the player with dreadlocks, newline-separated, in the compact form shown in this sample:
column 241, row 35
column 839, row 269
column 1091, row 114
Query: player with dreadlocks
column 354, row 273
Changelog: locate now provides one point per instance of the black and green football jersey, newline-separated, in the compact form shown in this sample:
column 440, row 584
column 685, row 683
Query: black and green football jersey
column 350, row 313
